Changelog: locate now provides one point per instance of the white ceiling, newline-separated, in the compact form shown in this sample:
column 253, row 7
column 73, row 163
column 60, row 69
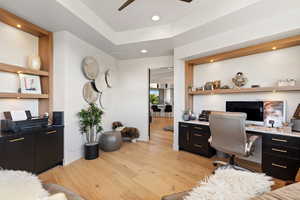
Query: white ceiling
column 124, row 34
column 139, row 13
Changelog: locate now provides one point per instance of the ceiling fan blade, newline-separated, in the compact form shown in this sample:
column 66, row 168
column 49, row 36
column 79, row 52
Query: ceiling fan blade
column 127, row 3
column 188, row 1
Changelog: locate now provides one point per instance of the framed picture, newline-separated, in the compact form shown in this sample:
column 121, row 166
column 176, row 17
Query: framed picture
column 297, row 113
column 274, row 111
column 30, row 84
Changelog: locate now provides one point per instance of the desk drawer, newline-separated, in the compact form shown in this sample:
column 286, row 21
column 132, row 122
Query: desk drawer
column 282, row 151
column 198, row 130
column 280, row 167
column 280, row 140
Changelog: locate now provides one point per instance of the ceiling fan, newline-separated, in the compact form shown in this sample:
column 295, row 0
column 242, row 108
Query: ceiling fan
column 128, row 2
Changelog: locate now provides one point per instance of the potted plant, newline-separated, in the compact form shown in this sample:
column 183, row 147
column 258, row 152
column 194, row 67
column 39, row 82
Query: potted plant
column 91, row 126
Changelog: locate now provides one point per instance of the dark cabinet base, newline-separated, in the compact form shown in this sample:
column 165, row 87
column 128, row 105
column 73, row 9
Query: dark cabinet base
column 34, row 150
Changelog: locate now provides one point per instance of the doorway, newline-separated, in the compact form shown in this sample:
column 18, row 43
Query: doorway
column 161, row 105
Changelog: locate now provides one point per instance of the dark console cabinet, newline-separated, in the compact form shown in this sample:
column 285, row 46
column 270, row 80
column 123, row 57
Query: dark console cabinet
column 33, row 150
column 281, row 156
column 194, row 138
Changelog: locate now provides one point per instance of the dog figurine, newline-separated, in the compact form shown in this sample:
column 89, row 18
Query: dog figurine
column 126, row 132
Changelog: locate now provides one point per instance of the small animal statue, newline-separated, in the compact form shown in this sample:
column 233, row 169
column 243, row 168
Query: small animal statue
column 239, row 80
column 126, row 132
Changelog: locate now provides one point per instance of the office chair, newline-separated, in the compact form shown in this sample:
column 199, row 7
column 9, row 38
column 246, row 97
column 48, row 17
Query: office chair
column 155, row 109
column 169, row 109
column 228, row 135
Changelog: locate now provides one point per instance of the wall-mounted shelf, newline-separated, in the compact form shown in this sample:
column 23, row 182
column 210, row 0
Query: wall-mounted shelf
column 247, row 90
column 21, row 70
column 23, row 96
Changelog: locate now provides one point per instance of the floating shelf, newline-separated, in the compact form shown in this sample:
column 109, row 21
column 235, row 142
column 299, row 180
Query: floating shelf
column 23, row 96
column 21, row 70
column 247, row 90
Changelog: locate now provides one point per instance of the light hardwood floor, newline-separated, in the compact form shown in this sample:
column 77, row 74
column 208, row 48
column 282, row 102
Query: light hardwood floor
column 141, row 171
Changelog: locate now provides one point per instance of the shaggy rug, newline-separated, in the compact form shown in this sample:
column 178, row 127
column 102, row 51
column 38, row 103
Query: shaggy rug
column 231, row 184
column 20, row 185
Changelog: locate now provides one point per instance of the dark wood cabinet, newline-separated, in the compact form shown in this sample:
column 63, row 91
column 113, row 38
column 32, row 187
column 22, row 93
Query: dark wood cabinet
column 19, row 151
column 281, row 156
column 48, row 149
column 33, row 150
column 194, row 138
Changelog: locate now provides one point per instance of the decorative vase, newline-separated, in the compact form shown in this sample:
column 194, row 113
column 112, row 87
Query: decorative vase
column 239, row 80
column 34, row 62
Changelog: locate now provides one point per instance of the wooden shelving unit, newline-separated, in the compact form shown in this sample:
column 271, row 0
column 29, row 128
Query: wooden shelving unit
column 21, row 70
column 45, row 51
column 23, row 96
column 250, row 50
column 246, row 90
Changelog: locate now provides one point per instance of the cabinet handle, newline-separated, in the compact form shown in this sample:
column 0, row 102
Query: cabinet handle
column 278, row 140
column 17, row 140
column 198, row 135
column 51, row 132
column 198, row 128
column 188, row 138
column 198, row 145
column 183, row 126
column 279, row 150
column 280, row 166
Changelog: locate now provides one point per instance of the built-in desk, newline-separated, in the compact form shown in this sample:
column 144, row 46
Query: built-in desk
column 280, row 150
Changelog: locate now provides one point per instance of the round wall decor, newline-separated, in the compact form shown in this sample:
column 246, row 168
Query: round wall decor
column 89, row 93
column 108, row 78
column 90, row 68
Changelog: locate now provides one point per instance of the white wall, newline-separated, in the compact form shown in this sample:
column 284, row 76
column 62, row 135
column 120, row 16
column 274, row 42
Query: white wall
column 264, row 69
column 69, row 51
column 132, row 107
column 16, row 46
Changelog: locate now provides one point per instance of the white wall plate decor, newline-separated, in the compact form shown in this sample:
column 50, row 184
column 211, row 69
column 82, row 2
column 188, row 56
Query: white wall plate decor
column 90, row 68
column 89, row 93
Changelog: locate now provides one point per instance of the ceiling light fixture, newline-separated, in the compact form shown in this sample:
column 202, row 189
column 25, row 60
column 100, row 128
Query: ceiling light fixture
column 274, row 48
column 19, row 26
column 144, row 51
column 155, row 18
column 211, row 60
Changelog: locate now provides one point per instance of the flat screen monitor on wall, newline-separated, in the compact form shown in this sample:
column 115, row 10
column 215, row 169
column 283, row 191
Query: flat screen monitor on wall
column 253, row 109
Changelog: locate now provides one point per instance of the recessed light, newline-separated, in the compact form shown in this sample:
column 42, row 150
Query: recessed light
column 211, row 60
column 19, row 26
column 155, row 18
column 274, row 48
column 144, row 51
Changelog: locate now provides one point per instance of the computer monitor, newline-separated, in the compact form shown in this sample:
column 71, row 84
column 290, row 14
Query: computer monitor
column 253, row 109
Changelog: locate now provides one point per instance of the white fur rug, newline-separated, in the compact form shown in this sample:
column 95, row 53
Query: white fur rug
column 19, row 185
column 231, row 184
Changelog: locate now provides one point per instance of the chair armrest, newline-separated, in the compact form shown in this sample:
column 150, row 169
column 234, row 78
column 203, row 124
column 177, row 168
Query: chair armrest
column 250, row 145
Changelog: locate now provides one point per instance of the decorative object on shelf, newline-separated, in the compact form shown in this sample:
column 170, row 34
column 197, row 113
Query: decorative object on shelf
column 200, row 88
column 274, row 114
column 255, row 86
column 187, row 115
column 91, row 127
column 225, row 87
column 286, row 82
column 128, row 133
column 34, row 62
column 190, row 88
column 239, row 80
column 89, row 93
column 297, row 113
column 217, row 84
column 209, row 86
column 90, row 68
column 30, row 84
